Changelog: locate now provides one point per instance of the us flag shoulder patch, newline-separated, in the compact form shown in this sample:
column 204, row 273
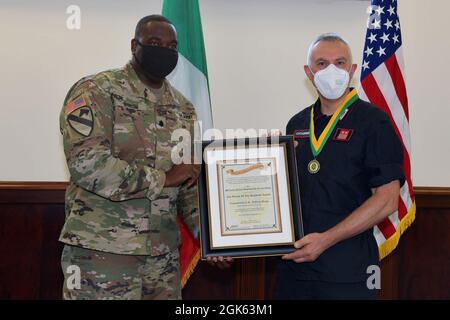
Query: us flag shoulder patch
column 75, row 104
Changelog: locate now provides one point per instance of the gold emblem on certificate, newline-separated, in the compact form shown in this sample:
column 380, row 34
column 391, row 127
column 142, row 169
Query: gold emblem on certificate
column 248, row 196
column 313, row 166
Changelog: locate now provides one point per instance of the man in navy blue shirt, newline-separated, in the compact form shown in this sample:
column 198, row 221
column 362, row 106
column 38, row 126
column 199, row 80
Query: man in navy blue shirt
column 350, row 172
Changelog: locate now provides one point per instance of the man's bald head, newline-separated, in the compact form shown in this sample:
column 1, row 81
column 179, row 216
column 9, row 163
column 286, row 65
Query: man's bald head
column 142, row 24
column 153, row 36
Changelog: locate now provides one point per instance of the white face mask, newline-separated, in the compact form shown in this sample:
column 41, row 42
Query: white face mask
column 331, row 81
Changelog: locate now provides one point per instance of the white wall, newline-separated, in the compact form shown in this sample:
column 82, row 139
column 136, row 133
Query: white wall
column 255, row 50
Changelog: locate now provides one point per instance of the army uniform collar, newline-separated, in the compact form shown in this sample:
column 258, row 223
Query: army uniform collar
column 168, row 96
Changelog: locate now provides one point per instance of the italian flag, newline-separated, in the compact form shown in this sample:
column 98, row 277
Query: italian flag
column 190, row 77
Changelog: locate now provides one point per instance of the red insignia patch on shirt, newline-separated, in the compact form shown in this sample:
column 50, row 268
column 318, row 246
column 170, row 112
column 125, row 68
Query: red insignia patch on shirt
column 343, row 134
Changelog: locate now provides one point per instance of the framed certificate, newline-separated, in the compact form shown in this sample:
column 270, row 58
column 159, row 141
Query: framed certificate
column 249, row 197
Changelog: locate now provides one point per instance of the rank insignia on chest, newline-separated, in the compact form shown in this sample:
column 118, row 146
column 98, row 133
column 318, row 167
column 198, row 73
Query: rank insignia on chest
column 343, row 134
column 81, row 120
column 301, row 134
column 161, row 122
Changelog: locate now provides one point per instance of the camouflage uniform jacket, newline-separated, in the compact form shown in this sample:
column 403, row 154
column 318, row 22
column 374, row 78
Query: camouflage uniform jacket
column 117, row 142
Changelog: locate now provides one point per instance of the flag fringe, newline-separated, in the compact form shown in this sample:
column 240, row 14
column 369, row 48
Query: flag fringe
column 390, row 244
column 190, row 268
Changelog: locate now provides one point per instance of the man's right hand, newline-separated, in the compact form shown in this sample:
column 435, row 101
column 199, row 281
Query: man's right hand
column 220, row 262
column 181, row 173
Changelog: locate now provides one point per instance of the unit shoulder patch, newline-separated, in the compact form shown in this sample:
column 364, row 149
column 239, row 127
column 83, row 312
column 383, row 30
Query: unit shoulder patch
column 81, row 120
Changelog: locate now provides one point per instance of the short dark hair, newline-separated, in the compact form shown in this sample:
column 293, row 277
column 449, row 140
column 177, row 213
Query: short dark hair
column 154, row 17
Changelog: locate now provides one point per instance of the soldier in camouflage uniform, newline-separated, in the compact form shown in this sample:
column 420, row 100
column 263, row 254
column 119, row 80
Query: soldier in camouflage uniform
column 124, row 193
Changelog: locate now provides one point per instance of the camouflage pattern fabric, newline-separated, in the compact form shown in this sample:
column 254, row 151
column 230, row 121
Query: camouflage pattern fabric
column 117, row 139
column 108, row 276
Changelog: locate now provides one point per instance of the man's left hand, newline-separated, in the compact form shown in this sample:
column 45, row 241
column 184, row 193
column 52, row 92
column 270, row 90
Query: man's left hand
column 309, row 248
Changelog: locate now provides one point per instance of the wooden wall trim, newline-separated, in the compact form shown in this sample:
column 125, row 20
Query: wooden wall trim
column 432, row 197
column 61, row 185
column 33, row 185
column 53, row 192
column 42, row 192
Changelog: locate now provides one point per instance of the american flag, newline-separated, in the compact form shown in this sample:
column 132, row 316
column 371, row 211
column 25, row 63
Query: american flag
column 382, row 83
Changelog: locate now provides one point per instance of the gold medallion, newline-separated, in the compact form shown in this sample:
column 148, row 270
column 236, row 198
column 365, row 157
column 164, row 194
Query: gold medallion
column 313, row 166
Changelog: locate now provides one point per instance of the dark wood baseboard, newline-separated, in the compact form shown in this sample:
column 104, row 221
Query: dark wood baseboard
column 32, row 214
